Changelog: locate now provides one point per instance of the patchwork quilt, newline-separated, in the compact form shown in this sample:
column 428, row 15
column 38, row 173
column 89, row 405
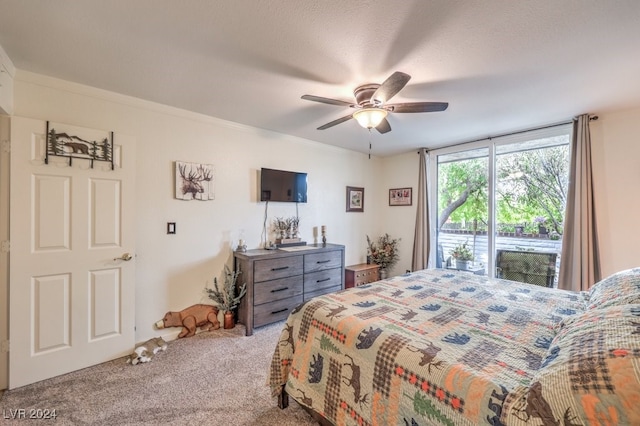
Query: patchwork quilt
column 440, row 347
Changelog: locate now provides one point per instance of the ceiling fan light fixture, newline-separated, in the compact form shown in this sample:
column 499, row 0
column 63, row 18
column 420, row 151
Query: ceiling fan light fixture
column 370, row 117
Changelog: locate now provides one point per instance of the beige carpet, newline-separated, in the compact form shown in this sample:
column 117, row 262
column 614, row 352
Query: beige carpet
column 213, row 378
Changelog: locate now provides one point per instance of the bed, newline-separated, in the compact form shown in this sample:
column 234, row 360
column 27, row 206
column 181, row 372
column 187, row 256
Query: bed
column 440, row 347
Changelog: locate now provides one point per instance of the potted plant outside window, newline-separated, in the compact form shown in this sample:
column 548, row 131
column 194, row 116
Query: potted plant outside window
column 463, row 255
column 225, row 298
column 541, row 222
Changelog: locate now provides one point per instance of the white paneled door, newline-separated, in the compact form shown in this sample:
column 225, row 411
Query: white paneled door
column 71, row 289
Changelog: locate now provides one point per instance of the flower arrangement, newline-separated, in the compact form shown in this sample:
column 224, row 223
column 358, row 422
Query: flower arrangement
column 384, row 252
column 226, row 298
column 294, row 224
column 281, row 226
column 286, row 227
column 462, row 252
column 540, row 220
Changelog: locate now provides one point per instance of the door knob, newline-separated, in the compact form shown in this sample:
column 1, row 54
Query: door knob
column 125, row 256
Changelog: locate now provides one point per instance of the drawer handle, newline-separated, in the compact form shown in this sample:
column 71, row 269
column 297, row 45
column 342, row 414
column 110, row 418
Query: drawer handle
column 279, row 289
column 323, row 280
column 324, row 261
column 277, row 312
column 282, row 268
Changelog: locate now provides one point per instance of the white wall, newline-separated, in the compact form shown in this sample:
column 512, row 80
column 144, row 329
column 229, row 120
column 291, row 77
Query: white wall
column 172, row 270
column 615, row 139
column 400, row 171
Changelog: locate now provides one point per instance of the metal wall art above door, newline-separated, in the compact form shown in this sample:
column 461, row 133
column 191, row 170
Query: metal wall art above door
column 76, row 142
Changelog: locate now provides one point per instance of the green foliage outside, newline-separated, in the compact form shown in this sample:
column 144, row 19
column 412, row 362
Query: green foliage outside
column 462, row 187
column 531, row 190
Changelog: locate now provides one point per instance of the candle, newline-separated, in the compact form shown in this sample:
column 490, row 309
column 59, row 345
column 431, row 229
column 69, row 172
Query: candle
column 241, row 243
column 324, row 229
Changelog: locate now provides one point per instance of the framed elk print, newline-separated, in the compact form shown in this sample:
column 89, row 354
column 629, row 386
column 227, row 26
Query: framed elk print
column 400, row 197
column 194, row 181
column 355, row 199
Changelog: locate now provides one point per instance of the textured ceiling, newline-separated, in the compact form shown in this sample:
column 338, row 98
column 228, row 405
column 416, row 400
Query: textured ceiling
column 502, row 65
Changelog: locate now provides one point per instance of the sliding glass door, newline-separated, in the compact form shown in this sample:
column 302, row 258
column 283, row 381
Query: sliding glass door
column 500, row 205
column 463, row 209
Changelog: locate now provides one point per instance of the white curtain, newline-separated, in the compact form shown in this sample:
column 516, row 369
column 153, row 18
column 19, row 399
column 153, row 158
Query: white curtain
column 421, row 238
column 580, row 266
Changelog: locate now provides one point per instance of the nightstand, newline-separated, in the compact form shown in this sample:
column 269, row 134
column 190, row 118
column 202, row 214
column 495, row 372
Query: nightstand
column 362, row 273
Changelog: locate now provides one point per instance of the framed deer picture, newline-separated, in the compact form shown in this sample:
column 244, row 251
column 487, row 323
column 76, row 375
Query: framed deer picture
column 194, row 181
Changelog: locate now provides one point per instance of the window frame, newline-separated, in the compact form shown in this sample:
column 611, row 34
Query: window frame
column 491, row 144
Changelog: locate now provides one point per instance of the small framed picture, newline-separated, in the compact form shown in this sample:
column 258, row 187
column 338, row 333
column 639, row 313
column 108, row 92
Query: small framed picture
column 355, row 199
column 400, row 197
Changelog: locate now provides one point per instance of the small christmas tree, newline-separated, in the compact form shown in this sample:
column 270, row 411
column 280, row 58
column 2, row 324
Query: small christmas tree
column 226, row 298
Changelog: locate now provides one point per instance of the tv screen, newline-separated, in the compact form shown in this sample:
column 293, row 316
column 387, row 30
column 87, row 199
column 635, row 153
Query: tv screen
column 280, row 185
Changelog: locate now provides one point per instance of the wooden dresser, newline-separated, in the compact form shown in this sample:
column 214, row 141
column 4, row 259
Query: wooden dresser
column 362, row 273
column 278, row 280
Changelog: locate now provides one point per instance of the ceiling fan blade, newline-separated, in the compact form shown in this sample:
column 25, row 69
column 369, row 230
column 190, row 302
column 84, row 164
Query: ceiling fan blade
column 418, row 107
column 384, row 126
column 334, row 122
column 327, row 100
column 390, row 87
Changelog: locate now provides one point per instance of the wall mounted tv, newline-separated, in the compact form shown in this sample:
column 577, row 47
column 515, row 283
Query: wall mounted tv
column 280, row 185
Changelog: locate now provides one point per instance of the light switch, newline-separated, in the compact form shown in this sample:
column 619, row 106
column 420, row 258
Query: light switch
column 171, row 227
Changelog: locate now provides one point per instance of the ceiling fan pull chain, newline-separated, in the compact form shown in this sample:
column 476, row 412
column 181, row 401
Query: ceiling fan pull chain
column 369, row 143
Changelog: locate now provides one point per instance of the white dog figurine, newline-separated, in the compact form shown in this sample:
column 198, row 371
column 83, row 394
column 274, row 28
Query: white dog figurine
column 146, row 351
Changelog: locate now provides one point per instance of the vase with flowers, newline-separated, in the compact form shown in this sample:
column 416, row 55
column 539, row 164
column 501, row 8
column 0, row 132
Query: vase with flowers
column 463, row 255
column 383, row 252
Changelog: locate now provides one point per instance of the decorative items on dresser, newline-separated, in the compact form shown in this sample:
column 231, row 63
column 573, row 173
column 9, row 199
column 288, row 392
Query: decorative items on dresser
column 279, row 280
column 363, row 273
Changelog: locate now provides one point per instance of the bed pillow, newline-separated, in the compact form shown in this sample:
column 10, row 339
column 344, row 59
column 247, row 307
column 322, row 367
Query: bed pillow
column 621, row 288
column 591, row 374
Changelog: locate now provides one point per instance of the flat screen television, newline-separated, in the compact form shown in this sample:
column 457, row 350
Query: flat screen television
column 284, row 186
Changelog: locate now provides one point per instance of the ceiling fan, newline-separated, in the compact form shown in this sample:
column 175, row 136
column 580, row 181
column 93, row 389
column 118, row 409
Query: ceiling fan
column 371, row 107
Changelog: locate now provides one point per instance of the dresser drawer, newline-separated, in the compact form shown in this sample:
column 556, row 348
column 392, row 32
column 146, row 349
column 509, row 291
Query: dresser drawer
column 321, row 261
column 323, row 279
column 362, row 273
column 271, row 269
column 309, row 295
column 366, row 277
column 270, row 291
column 274, row 311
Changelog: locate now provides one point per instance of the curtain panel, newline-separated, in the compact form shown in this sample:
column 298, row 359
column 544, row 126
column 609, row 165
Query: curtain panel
column 421, row 243
column 580, row 266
